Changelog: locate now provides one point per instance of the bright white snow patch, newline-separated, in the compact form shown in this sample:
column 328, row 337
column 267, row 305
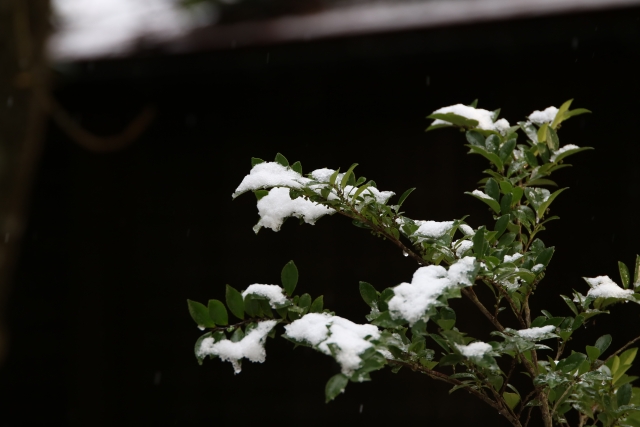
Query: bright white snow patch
column 412, row 300
column 534, row 334
column 546, row 116
column 483, row 117
column 322, row 329
column 512, row 258
column 537, row 268
column 475, row 350
column 462, row 247
column 380, row 196
column 603, row 286
column 250, row 347
column 270, row 174
column 278, row 205
column 274, row 293
column 433, row 229
column 324, row 174
column 562, row 150
column 468, row 231
column 482, row 195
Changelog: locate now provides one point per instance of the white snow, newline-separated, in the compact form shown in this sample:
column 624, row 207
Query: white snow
column 412, row 300
column 274, row 293
column 535, row 333
column 324, row 174
column 562, row 150
column 482, row 195
column 322, row 329
column 483, row 117
column 250, row 347
column 512, row 258
column 475, row 350
column 278, row 205
column 545, row 116
column 270, row 174
column 462, row 247
column 433, row 229
column 468, row 231
column 603, row 286
column 537, row 268
column 380, row 196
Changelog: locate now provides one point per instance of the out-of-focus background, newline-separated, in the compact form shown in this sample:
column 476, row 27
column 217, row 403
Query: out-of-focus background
column 123, row 135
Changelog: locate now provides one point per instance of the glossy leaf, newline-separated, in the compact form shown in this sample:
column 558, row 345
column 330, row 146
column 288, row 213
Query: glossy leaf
column 218, row 312
column 506, row 149
column 347, row 175
column 492, row 157
column 545, row 205
column 570, row 152
column 489, row 201
column 317, row 305
column 492, row 189
column 560, row 114
column 235, row 302
column 572, row 362
column 603, row 343
column 511, row 399
column 289, row 277
column 544, row 257
column 593, row 353
column 624, row 274
column 297, row 166
column 256, row 161
column 405, row 195
column 480, row 244
column 623, row 394
column 282, row 160
column 475, row 138
column 369, row 294
column 454, row 119
column 335, row 386
column 200, row 314
column 636, row 274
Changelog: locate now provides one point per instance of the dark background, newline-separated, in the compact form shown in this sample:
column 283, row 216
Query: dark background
column 100, row 333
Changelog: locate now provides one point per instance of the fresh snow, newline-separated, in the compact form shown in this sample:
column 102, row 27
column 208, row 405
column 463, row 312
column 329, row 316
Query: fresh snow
column 562, row 150
column 468, row 231
column 322, row 329
column 270, row 174
column 475, row 350
column 482, row 195
column 545, row 116
column 323, row 175
column 433, row 229
column 250, row 347
column 278, row 205
column 483, row 117
column 412, row 300
column 537, row 268
column 274, row 293
column 603, row 286
column 512, row 258
column 462, row 247
column 534, row 334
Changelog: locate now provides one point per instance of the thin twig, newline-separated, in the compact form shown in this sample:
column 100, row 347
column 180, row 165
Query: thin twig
column 627, row 345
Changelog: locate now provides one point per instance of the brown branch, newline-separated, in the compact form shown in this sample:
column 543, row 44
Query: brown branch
column 506, row 296
column 88, row 140
column 623, row 348
column 469, row 293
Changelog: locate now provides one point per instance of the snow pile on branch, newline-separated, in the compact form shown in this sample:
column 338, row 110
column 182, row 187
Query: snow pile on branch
column 467, row 230
column 482, row 195
column 475, row 350
column 512, row 258
column 604, row 287
column 483, row 117
column 321, row 330
column 545, row 116
column 273, row 293
column 278, row 205
column 567, row 147
column 535, row 334
column 323, row 175
column 270, row 174
column 432, row 229
column 250, row 347
column 412, row 300
column 462, row 246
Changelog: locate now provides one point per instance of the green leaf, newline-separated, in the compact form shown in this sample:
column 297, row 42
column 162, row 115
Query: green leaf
column 544, row 257
column 492, row 157
column 530, row 157
column 492, row 189
column 488, row 200
column 200, row 314
column 317, row 305
column 359, row 191
column 297, row 166
column 568, row 153
column 289, row 277
column 282, row 160
column 603, row 343
column 474, row 104
column 624, row 274
column 196, row 347
column 560, row 114
column 345, row 178
column 545, row 205
column 237, row 335
column 333, row 177
column 235, row 302
column 553, row 142
column 505, row 203
column 260, row 193
column 593, row 353
column 480, row 245
column 624, row 394
column 454, row 119
column 475, row 138
column 575, row 112
column 572, row 362
column 506, row 149
column 256, row 161
column 570, row 303
column 218, row 312
column 501, row 225
column 252, row 306
column 542, row 132
column 369, row 294
column 511, row 399
column 404, row 196
column 636, row 274
column 628, row 356
column 335, row 386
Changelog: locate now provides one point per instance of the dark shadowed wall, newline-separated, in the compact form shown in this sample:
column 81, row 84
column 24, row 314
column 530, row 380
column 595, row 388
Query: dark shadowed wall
column 100, row 333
